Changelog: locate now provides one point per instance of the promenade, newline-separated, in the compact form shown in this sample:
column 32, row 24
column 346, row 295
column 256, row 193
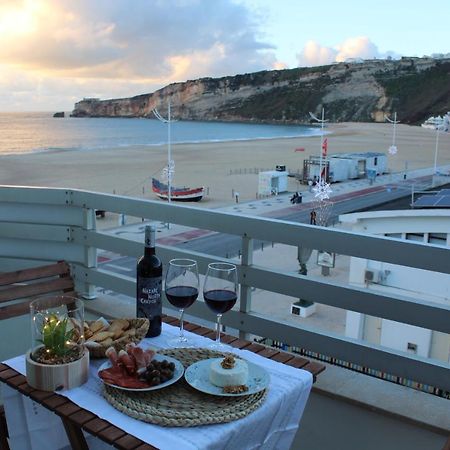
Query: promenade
column 280, row 205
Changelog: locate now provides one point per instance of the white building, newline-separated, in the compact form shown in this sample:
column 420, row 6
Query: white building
column 272, row 182
column 428, row 226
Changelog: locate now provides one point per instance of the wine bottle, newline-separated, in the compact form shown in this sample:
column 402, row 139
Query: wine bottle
column 149, row 284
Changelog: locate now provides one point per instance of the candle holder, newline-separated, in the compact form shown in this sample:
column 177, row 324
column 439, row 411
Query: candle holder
column 58, row 358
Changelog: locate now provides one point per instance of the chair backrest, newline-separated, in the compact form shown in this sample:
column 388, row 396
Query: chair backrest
column 18, row 289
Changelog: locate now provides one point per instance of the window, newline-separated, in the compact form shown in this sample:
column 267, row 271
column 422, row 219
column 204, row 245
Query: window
column 437, row 238
column 375, row 161
column 414, row 237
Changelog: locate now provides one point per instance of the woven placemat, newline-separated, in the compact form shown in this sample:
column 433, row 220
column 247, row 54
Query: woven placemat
column 180, row 405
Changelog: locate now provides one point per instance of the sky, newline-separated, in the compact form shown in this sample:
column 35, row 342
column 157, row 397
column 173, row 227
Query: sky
column 55, row 52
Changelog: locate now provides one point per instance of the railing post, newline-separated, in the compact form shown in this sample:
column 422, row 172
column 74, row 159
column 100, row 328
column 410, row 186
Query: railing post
column 246, row 290
column 85, row 289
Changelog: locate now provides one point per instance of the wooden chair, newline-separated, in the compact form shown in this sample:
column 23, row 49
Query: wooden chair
column 17, row 290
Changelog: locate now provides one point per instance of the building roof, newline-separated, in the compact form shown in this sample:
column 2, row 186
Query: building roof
column 358, row 155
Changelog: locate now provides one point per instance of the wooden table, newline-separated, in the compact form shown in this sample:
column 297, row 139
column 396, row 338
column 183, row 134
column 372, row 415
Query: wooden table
column 76, row 419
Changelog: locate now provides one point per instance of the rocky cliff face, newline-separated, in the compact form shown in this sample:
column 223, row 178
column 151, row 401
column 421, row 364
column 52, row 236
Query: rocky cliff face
column 414, row 87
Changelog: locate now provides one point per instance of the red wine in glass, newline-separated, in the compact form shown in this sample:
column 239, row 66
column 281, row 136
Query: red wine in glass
column 181, row 288
column 220, row 301
column 182, row 296
column 220, row 292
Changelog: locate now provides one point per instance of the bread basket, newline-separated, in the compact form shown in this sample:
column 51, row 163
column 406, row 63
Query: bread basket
column 133, row 333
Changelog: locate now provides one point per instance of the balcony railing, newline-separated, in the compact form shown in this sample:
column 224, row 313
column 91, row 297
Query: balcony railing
column 47, row 224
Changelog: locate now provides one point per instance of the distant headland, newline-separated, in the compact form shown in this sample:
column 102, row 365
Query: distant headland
column 356, row 91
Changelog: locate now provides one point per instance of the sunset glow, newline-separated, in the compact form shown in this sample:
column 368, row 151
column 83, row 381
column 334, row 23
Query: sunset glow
column 55, row 51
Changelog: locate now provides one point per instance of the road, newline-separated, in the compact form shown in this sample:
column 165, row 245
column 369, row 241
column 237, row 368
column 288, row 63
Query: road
column 228, row 246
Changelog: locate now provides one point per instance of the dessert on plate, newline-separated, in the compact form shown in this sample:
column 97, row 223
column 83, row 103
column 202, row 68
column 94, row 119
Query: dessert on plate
column 229, row 373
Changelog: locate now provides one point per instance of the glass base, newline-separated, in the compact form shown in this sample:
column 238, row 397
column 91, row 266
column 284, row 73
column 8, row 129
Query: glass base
column 219, row 346
column 180, row 342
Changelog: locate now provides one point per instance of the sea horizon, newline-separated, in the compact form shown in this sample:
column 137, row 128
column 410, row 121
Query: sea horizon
column 34, row 132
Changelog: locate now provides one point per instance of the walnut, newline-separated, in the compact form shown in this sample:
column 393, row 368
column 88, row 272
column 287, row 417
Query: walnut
column 228, row 362
column 235, row 389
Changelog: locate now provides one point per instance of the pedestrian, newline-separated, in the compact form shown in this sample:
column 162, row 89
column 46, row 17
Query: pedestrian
column 312, row 218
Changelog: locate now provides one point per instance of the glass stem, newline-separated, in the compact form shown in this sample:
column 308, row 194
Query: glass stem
column 219, row 316
column 181, row 324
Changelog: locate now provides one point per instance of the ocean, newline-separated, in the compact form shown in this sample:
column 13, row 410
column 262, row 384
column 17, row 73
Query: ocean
column 38, row 132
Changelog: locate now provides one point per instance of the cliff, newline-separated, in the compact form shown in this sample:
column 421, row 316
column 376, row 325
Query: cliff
column 414, row 87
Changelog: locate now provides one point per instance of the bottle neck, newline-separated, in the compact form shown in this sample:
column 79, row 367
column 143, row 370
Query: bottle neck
column 149, row 241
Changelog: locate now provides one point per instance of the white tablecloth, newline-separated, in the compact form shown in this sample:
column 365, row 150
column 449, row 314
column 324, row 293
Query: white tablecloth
column 272, row 426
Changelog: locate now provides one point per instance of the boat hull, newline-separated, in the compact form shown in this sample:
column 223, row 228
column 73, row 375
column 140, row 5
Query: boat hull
column 177, row 194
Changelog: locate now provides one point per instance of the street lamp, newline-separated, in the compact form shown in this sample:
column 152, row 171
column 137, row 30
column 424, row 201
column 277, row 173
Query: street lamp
column 169, row 170
column 322, row 189
column 393, row 148
column 438, row 128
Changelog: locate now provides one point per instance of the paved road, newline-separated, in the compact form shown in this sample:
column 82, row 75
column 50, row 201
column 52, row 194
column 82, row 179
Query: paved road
column 228, row 246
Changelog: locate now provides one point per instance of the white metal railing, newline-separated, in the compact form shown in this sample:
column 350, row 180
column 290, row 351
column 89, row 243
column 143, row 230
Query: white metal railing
column 48, row 224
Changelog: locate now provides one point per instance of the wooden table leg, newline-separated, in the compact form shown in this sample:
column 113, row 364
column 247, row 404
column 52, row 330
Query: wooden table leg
column 75, row 435
column 3, row 430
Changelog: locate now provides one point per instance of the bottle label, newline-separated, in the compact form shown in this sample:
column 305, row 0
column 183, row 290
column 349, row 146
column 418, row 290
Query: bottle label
column 149, row 297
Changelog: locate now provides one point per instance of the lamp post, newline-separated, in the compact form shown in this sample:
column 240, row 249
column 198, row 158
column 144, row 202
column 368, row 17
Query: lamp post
column 436, row 149
column 169, row 170
column 393, row 147
column 322, row 122
column 322, row 189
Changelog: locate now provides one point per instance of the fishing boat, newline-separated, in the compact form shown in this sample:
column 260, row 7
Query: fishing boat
column 184, row 194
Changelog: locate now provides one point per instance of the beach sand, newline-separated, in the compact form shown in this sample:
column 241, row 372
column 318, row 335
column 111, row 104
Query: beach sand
column 128, row 171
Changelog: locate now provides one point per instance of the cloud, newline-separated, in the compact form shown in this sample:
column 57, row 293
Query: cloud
column 130, row 40
column 313, row 54
column 107, row 48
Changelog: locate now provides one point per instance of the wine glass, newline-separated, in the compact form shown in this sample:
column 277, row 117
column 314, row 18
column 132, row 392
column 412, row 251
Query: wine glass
column 220, row 292
column 181, row 289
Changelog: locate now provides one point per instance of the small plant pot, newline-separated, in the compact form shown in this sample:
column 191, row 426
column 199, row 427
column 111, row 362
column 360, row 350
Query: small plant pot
column 55, row 377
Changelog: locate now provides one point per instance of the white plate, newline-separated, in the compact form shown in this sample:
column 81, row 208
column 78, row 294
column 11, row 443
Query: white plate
column 177, row 374
column 197, row 375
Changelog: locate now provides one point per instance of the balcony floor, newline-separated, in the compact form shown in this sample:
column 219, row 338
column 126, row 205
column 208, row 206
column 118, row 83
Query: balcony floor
column 330, row 423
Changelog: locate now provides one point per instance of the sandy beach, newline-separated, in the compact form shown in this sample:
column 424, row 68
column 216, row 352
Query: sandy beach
column 128, row 171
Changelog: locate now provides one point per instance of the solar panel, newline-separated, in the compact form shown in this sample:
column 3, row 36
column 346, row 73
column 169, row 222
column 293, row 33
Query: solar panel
column 444, row 202
column 433, row 201
column 440, row 199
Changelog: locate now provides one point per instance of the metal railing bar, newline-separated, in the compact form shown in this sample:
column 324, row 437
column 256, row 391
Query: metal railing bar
column 38, row 232
column 43, row 214
column 377, row 248
column 30, row 194
column 425, row 370
column 392, row 306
